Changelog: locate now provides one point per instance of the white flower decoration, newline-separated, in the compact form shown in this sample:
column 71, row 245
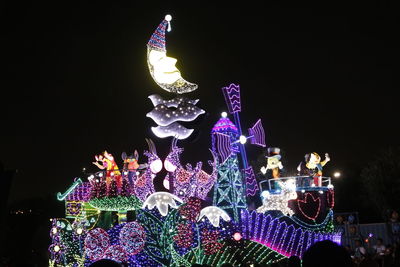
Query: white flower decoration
column 161, row 200
column 213, row 214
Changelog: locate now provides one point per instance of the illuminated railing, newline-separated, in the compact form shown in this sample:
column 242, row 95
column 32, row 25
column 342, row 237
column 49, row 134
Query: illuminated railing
column 302, row 183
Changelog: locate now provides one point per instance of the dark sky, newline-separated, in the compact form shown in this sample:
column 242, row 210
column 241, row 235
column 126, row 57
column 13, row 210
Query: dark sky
column 76, row 81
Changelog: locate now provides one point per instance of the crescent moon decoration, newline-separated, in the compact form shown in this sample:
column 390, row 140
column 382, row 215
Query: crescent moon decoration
column 157, row 100
column 174, row 130
column 162, row 68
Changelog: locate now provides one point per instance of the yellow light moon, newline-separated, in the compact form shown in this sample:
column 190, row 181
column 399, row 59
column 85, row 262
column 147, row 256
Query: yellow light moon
column 162, row 68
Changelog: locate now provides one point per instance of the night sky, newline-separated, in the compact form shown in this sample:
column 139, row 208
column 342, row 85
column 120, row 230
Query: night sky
column 76, row 82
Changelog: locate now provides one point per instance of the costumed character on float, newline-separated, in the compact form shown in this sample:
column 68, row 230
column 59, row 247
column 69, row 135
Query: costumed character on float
column 106, row 161
column 274, row 167
column 132, row 166
column 312, row 168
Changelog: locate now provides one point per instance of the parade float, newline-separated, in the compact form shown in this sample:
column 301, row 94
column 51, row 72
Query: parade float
column 201, row 217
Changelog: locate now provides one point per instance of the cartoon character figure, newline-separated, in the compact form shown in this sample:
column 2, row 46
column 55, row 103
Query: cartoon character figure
column 312, row 167
column 274, row 165
column 106, row 161
column 132, row 166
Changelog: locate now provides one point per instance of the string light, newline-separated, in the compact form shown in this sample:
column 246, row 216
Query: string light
column 280, row 201
column 178, row 232
column 309, row 200
column 116, row 203
column 115, row 253
column 191, row 210
column 162, row 68
column 161, row 200
column 96, row 243
column 331, row 198
column 277, row 234
column 132, row 238
column 214, row 214
column 184, row 237
column 210, row 241
column 229, row 190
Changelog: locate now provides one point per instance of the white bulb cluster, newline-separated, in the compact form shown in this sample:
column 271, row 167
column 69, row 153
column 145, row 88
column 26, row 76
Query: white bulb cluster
column 161, row 200
column 214, row 214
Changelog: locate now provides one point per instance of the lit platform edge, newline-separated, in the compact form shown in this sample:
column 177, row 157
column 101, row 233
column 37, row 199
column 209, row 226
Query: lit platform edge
column 302, row 184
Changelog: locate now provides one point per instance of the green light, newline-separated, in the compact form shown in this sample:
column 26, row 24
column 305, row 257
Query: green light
column 116, row 203
column 61, row 197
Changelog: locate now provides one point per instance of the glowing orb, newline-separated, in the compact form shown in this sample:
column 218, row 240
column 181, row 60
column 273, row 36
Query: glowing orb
column 168, row 17
column 169, row 166
column 156, row 166
column 237, row 236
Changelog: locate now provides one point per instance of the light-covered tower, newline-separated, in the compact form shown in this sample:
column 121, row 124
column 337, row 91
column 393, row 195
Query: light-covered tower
column 229, row 190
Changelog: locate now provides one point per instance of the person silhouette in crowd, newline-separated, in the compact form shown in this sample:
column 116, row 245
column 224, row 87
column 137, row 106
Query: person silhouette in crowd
column 359, row 252
column 106, row 263
column 326, row 254
column 294, row 261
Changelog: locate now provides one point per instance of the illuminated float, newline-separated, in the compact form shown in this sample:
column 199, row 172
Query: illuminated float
column 204, row 218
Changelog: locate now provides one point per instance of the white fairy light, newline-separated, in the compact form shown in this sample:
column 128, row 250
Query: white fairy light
column 161, row 200
column 214, row 214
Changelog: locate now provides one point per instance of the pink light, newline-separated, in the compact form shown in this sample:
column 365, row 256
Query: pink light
column 280, row 251
column 237, row 236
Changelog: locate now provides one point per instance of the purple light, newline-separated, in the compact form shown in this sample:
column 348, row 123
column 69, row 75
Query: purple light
column 224, row 124
column 80, row 193
column 190, row 181
column 232, row 98
column 132, row 238
column 258, row 134
column 279, row 236
column 222, row 146
column 251, row 183
column 144, row 185
column 96, row 243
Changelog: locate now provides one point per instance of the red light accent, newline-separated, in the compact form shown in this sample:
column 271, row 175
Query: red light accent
column 304, row 206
